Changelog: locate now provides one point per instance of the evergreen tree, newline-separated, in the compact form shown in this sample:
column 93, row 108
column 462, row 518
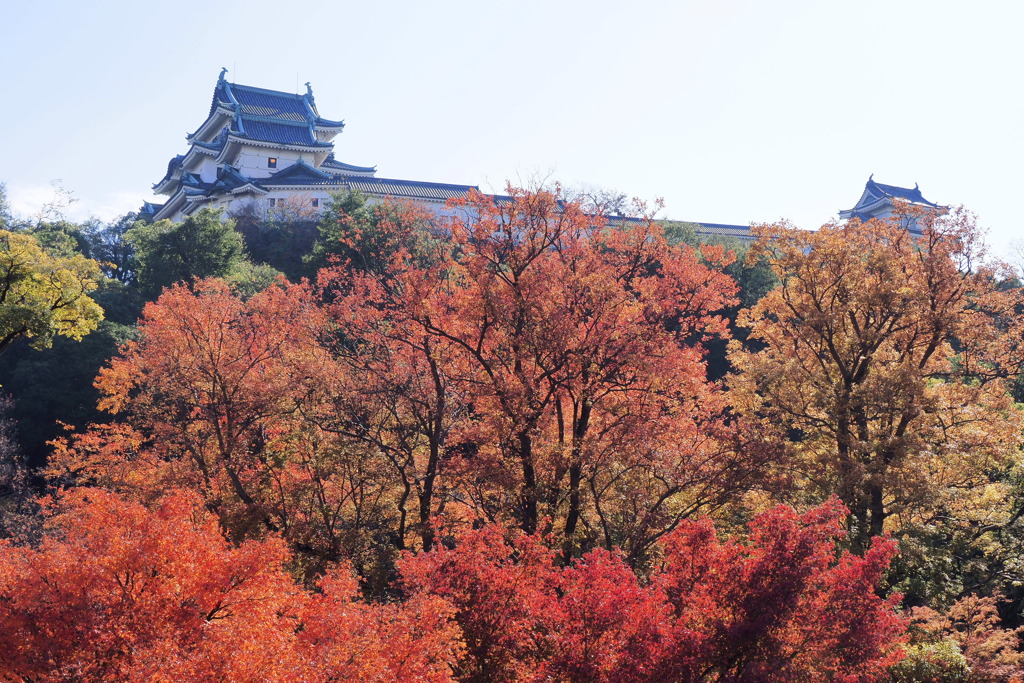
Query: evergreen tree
column 202, row 245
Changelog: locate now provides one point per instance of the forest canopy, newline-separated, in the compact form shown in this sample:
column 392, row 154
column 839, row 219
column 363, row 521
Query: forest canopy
column 516, row 441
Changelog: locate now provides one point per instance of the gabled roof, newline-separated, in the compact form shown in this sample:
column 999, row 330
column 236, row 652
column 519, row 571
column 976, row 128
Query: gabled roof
column 228, row 180
column 877, row 199
column 172, row 166
column 327, row 123
column 150, row 209
column 215, row 145
column 270, row 103
column 263, row 102
column 892, row 191
column 189, row 179
column 300, row 173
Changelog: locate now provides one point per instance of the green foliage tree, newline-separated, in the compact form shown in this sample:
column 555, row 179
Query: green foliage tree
column 203, row 245
column 753, row 276
column 249, row 279
column 43, row 295
column 364, row 234
column 62, row 237
column 54, row 387
column 108, row 244
column 280, row 237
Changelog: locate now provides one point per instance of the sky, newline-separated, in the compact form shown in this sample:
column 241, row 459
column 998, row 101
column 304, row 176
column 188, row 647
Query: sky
column 731, row 111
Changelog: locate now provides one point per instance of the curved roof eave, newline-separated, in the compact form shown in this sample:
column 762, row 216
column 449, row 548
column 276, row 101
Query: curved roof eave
column 171, row 205
column 222, row 113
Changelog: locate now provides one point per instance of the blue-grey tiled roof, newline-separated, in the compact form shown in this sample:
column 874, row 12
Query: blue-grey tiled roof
column 278, row 105
column 412, row 189
column 228, row 179
column 217, row 143
column 173, row 165
column 261, row 114
column 892, row 191
column 741, row 232
column 280, row 133
column 192, row 180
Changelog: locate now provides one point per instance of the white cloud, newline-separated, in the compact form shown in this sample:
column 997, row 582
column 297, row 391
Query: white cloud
column 30, row 201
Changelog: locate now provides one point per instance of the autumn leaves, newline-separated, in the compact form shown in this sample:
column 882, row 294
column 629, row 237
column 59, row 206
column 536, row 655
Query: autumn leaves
column 536, row 370
column 504, row 427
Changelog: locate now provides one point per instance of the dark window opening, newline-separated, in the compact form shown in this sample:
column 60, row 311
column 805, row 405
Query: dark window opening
column 272, row 162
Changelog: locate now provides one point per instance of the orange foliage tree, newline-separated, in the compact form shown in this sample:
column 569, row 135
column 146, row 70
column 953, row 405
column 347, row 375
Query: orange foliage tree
column 553, row 366
column 883, row 357
column 213, row 396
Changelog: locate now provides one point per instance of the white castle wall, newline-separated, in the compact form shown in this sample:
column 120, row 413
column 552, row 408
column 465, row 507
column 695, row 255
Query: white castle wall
column 252, row 161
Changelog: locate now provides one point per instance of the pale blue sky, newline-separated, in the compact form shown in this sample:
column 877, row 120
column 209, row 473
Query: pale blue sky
column 731, row 111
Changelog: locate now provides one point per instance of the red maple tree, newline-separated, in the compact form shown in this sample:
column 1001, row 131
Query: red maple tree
column 779, row 605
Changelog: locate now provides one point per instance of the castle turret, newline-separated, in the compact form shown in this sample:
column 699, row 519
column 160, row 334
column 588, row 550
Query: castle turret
column 879, row 201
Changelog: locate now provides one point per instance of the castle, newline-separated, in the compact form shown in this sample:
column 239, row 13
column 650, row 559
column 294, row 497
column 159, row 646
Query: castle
column 260, row 150
column 268, row 148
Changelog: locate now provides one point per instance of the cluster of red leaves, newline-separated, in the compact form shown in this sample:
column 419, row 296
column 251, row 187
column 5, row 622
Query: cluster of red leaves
column 779, row 606
column 117, row 592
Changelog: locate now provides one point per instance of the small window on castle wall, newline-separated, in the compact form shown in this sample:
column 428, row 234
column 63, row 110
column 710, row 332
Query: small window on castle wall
column 272, row 162
column 273, row 203
column 316, row 203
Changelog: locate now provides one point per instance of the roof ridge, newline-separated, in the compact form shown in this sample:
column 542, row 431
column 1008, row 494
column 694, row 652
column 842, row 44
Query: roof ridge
column 268, row 91
column 413, row 182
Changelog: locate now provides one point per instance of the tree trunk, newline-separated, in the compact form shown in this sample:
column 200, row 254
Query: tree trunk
column 579, row 432
column 528, row 498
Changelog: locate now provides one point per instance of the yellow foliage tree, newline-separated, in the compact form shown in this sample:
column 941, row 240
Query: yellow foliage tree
column 43, row 295
column 883, row 358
